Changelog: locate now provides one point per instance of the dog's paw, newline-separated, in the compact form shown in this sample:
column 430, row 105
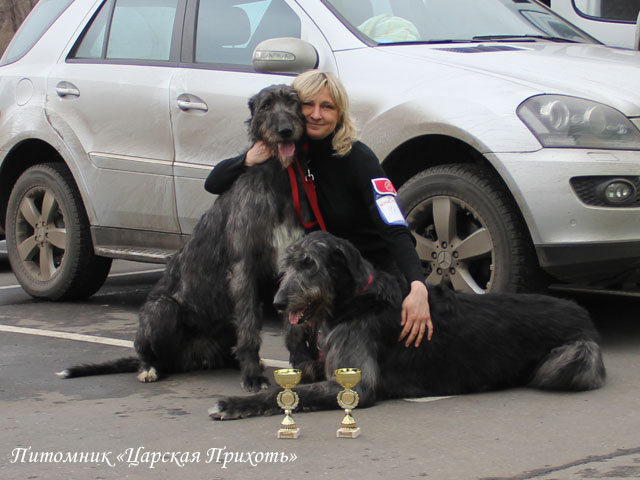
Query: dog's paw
column 148, row 375
column 220, row 411
column 63, row 374
column 231, row 408
column 255, row 383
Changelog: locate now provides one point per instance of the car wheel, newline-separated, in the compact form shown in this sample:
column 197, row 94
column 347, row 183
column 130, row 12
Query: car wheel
column 48, row 238
column 467, row 230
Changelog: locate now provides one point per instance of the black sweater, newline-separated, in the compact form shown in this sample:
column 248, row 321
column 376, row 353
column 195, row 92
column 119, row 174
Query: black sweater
column 347, row 201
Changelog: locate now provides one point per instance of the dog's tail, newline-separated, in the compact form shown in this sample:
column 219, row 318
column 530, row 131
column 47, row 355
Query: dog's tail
column 574, row 366
column 121, row 365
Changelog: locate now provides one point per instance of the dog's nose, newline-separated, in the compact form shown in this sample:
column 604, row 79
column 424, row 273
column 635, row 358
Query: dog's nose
column 280, row 302
column 280, row 306
column 286, row 132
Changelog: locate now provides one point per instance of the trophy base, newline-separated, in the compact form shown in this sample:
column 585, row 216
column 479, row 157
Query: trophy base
column 288, row 433
column 348, row 432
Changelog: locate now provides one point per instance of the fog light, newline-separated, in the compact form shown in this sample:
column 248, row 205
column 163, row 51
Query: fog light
column 618, row 191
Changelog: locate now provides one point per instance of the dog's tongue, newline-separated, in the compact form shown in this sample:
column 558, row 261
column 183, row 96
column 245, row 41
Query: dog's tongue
column 294, row 317
column 286, row 149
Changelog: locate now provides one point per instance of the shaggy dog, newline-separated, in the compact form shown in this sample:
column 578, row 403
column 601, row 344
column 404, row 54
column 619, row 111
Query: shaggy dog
column 206, row 310
column 480, row 342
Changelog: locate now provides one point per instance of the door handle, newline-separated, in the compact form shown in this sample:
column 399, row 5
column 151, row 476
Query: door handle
column 187, row 102
column 67, row 89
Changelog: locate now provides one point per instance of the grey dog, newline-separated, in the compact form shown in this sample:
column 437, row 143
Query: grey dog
column 206, row 311
column 480, row 342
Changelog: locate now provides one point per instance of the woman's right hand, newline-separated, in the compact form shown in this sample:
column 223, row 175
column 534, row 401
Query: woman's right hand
column 258, row 153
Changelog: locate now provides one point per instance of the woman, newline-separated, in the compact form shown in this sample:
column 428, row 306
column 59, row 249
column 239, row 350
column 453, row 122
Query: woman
column 356, row 199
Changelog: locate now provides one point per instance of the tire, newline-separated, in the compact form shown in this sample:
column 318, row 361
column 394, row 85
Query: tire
column 468, row 231
column 48, row 237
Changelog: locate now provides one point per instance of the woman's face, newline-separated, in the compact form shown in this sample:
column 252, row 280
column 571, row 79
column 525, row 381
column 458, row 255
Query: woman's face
column 321, row 115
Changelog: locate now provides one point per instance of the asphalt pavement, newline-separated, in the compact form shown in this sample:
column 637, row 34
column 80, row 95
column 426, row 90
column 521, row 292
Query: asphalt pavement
column 115, row 427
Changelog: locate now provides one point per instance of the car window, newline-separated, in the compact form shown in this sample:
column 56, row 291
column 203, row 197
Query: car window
column 227, row 31
column 137, row 30
column 37, row 23
column 621, row 10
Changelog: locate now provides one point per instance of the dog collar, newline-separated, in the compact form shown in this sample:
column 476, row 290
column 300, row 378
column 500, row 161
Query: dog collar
column 366, row 287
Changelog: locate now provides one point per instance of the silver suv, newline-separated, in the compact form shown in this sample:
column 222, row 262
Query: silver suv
column 512, row 134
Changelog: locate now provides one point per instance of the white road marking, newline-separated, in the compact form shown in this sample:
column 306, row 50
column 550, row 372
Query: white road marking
column 427, row 399
column 112, row 275
column 139, row 272
column 67, row 336
column 114, row 342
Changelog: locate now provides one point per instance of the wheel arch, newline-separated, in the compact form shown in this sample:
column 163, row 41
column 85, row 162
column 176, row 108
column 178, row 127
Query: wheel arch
column 21, row 157
column 425, row 151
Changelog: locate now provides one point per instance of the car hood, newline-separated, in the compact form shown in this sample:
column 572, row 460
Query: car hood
column 607, row 75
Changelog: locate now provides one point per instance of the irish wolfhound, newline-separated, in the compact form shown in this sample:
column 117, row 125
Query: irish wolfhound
column 206, row 310
column 481, row 342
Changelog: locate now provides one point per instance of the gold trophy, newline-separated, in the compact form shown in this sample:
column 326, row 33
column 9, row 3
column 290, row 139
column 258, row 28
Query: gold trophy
column 288, row 378
column 348, row 399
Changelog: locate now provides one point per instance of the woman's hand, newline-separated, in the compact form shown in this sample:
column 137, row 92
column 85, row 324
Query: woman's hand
column 258, row 153
column 416, row 318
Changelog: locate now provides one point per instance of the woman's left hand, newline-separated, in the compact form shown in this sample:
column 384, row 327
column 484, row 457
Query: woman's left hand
column 416, row 318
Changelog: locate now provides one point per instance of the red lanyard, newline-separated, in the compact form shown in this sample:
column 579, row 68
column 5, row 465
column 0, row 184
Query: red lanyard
column 310, row 189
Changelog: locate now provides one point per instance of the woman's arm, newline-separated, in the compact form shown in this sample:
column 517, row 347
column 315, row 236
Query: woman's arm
column 225, row 173
column 380, row 195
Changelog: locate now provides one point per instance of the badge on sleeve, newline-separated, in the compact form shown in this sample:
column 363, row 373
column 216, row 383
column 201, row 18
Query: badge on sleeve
column 384, row 194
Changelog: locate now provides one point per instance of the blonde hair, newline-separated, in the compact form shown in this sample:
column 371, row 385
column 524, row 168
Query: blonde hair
column 309, row 84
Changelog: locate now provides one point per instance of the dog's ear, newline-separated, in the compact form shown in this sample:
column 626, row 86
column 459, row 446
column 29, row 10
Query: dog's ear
column 348, row 261
column 252, row 104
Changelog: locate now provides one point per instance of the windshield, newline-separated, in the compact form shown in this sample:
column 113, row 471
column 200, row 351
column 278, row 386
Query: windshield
column 435, row 21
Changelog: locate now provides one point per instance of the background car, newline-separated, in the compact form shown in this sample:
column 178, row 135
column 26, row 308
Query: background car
column 614, row 22
column 513, row 136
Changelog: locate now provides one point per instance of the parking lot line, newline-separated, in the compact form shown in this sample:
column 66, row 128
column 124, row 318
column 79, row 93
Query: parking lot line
column 139, row 272
column 67, row 336
column 111, row 275
column 115, row 342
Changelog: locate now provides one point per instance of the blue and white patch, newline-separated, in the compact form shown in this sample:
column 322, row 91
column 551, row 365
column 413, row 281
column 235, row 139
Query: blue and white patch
column 384, row 195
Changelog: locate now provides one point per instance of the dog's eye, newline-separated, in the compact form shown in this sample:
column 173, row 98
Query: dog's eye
column 307, row 262
column 265, row 106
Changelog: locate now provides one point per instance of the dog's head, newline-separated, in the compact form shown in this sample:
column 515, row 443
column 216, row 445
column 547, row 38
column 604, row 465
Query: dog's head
column 320, row 272
column 276, row 119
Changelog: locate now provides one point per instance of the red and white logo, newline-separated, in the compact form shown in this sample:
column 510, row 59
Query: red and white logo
column 383, row 186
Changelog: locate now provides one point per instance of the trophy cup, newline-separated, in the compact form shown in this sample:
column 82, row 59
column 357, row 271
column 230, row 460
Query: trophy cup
column 288, row 378
column 348, row 399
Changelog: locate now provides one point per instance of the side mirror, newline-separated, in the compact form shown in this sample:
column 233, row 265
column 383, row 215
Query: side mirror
column 284, row 55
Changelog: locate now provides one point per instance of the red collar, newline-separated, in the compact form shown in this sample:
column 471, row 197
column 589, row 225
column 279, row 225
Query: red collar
column 366, row 287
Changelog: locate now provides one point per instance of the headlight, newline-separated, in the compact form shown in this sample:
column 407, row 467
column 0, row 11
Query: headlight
column 561, row 121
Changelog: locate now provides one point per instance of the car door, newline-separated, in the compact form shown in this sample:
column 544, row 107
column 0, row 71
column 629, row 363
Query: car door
column 210, row 92
column 111, row 95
